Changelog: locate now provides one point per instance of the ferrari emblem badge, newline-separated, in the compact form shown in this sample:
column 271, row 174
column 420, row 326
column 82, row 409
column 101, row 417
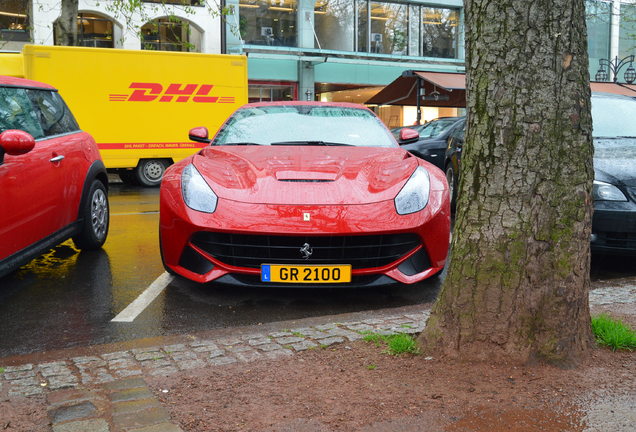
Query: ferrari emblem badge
column 306, row 250
column 306, row 216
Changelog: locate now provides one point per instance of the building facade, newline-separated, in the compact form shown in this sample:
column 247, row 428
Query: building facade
column 331, row 50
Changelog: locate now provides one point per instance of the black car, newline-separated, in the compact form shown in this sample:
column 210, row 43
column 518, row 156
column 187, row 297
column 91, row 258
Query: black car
column 431, row 144
column 452, row 157
column 614, row 191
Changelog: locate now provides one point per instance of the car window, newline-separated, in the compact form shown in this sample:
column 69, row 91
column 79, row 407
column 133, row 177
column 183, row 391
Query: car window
column 458, row 130
column 613, row 117
column 265, row 125
column 53, row 113
column 16, row 112
column 436, row 127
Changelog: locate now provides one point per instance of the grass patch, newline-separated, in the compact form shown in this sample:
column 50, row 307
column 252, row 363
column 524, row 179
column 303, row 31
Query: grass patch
column 396, row 344
column 2, row 370
column 402, row 343
column 376, row 338
column 613, row 333
column 372, row 367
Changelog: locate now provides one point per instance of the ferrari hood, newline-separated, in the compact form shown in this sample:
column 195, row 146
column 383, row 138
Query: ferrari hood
column 308, row 175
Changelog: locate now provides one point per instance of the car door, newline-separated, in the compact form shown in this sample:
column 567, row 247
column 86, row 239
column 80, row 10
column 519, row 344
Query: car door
column 68, row 147
column 31, row 184
column 455, row 145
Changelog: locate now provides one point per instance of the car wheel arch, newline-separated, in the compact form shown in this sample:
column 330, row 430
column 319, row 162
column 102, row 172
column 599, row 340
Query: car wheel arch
column 97, row 171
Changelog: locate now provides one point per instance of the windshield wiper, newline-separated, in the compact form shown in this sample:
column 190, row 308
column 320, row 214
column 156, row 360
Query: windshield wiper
column 311, row 143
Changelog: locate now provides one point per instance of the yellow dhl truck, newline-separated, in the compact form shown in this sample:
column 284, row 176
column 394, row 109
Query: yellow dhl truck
column 138, row 105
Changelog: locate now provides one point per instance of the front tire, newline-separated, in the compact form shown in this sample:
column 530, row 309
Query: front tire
column 95, row 216
column 150, row 171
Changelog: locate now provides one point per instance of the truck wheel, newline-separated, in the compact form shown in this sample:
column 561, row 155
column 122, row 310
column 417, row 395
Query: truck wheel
column 94, row 214
column 150, row 171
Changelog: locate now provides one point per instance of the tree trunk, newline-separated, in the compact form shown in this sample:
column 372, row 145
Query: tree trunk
column 518, row 281
column 66, row 24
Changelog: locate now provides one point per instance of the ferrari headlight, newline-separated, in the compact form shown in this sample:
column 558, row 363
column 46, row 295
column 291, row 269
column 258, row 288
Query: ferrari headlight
column 196, row 192
column 414, row 195
column 602, row 191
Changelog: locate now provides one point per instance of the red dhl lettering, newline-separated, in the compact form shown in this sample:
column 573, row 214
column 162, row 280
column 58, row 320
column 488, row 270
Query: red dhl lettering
column 154, row 92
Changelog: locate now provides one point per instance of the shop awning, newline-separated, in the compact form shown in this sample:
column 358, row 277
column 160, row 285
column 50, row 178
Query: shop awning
column 440, row 89
column 449, row 89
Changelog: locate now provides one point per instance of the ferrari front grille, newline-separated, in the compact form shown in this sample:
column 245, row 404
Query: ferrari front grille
column 363, row 251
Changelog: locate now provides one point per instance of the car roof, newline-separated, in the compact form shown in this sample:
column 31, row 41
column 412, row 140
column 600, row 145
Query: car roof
column 8, row 81
column 446, row 118
column 612, row 96
column 307, row 103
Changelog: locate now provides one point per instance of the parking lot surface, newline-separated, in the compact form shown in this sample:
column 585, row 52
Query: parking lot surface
column 66, row 298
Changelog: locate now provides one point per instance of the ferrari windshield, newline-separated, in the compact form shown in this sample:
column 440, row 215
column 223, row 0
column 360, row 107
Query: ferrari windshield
column 304, row 125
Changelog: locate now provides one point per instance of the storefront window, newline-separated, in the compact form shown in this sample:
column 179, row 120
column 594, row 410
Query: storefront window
column 389, row 28
column 627, row 42
column 439, row 32
column 13, row 21
column 170, row 34
column 414, row 30
column 177, row 2
column 333, row 22
column 270, row 92
column 268, row 22
column 363, row 26
column 94, row 31
column 598, row 32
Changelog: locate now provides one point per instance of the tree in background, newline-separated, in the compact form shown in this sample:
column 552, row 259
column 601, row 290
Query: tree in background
column 518, row 281
column 66, row 24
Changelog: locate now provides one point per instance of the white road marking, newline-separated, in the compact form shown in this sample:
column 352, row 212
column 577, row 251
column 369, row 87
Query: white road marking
column 145, row 298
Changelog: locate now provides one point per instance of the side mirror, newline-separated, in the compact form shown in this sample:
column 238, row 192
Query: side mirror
column 408, row 135
column 15, row 142
column 199, row 134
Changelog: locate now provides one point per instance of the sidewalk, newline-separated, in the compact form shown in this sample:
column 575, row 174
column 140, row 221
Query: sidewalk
column 106, row 391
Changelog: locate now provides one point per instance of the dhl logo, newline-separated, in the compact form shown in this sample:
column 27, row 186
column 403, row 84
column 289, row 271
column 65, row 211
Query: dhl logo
column 150, row 92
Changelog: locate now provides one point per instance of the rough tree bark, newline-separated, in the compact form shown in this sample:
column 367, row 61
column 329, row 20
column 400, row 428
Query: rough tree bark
column 518, row 281
column 66, row 24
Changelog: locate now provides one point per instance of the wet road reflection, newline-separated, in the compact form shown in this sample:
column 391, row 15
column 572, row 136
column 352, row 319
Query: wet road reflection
column 66, row 298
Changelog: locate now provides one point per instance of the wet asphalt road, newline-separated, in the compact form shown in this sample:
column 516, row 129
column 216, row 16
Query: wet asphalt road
column 67, row 299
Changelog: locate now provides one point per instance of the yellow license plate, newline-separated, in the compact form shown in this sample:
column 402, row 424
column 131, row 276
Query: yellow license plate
column 306, row 273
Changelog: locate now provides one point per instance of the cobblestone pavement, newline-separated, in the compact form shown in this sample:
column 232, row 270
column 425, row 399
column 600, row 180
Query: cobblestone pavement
column 107, row 393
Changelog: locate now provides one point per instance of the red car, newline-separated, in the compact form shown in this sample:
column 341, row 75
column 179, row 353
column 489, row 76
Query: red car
column 303, row 193
column 53, row 184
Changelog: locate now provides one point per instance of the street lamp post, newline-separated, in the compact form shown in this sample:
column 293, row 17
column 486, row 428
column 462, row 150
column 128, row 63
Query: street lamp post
column 614, row 66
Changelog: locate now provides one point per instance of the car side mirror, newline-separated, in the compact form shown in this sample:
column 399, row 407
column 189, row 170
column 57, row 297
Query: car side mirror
column 199, row 134
column 408, row 135
column 15, row 142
